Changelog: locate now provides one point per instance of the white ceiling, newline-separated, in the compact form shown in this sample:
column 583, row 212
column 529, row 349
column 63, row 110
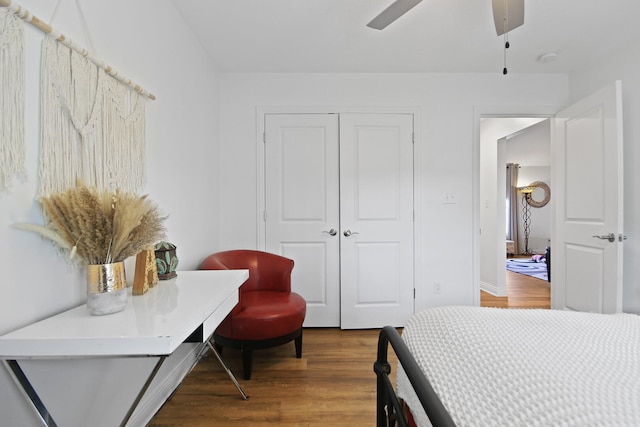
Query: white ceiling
column 327, row 36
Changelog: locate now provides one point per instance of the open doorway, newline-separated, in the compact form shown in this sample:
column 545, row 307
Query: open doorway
column 524, row 142
column 580, row 133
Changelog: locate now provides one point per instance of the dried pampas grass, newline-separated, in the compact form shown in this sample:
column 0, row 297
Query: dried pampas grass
column 100, row 227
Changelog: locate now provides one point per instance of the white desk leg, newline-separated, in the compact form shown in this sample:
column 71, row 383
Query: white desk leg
column 224, row 365
column 27, row 389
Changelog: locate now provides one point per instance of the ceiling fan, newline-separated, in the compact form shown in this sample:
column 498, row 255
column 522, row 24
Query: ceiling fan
column 507, row 14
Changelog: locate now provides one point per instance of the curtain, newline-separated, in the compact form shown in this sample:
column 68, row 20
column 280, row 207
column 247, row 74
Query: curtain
column 512, row 202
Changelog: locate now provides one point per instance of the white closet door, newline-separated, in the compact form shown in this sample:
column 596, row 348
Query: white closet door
column 301, row 200
column 376, row 211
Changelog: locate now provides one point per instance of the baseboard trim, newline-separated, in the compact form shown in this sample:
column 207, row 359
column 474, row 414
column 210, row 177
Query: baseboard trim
column 493, row 289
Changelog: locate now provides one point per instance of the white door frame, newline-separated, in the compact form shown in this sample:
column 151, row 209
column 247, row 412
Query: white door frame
column 417, row 157
column 478, row 113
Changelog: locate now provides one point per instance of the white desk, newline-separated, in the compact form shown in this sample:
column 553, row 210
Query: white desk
column 190, row 306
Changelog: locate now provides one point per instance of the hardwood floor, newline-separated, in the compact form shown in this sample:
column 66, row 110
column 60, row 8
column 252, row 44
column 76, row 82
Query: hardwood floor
column 332, row 385
column 523, row 292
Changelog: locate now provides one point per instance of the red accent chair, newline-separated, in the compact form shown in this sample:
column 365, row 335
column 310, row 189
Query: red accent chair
column 268, row 314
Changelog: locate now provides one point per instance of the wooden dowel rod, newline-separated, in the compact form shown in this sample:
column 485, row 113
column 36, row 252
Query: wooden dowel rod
column 46, row 28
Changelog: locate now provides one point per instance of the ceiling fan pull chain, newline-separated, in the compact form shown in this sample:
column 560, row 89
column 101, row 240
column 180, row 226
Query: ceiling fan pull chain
column 506, row 46
column 506, row 34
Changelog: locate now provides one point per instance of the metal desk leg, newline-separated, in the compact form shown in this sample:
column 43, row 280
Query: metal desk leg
column 146, row 385
column 224, row 365
column 27, row 389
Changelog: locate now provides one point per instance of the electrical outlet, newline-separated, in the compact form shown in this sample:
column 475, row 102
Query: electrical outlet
column 437, row 287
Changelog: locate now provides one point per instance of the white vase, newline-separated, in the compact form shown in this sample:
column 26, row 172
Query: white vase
column 106, row 288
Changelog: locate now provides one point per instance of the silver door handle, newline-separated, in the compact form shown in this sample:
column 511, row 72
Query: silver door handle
column 348, row 233
column 610, row 237
column 331, row 232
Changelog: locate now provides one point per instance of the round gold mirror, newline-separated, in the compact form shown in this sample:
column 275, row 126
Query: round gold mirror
column 540, row 196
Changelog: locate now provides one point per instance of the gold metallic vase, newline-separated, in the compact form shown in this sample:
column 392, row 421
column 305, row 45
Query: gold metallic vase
column 106, row 288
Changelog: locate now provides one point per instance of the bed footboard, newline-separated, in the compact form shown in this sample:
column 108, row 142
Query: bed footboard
column 388, row 409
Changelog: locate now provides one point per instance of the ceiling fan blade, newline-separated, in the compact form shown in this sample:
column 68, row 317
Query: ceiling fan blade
column 391, row 13
column 515, row 15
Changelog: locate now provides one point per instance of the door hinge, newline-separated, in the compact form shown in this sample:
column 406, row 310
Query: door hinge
column 413, row 137
column 264, row 137
column 414, row 293
column 264, row 216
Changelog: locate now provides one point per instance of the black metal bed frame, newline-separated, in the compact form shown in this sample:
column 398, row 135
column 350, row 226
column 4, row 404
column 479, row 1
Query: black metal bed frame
column 388, row 409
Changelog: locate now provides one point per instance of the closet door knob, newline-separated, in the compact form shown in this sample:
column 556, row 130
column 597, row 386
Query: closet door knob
column 348, row 233
column 331, row 232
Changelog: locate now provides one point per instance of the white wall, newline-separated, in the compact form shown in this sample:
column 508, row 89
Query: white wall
column 622, row 65
column 447, row 105
column 148, row 42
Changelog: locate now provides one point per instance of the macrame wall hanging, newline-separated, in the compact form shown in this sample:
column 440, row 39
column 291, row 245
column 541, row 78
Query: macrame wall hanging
column 92, row 118
column 93, row 127
column 12, row 146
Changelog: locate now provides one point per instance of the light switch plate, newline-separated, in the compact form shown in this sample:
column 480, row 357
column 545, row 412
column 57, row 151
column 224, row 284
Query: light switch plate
column 449, row 198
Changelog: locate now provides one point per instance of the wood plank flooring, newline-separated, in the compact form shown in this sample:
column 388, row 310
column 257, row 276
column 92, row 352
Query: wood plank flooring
column 332, row 385
column 523, row 292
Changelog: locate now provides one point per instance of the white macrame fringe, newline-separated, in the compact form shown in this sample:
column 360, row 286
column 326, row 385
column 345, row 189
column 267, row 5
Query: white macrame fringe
column 93, row 126
column 12, row 145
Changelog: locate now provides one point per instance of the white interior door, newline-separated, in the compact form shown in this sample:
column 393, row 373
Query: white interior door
column 302, row 212
column 587, row 154
column 376, row 216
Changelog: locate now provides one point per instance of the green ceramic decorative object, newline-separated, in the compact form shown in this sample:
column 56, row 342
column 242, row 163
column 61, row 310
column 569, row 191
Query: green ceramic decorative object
column 166, row 260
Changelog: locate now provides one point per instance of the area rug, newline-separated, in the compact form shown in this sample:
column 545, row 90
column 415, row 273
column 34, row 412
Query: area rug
column 528, row 267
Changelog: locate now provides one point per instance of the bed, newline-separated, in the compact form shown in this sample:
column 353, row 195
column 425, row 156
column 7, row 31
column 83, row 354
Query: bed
column 477, row 366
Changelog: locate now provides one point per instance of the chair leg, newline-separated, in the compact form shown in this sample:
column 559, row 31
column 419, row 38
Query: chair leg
column 246, row 362
column 298, row 342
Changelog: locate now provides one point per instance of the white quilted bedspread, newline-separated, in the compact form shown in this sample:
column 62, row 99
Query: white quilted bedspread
column 526, row 367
